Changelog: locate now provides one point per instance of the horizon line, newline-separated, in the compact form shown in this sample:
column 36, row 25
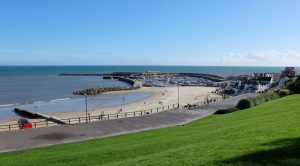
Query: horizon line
column 144, row 65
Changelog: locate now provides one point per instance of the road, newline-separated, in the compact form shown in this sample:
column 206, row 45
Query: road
column 27, row 139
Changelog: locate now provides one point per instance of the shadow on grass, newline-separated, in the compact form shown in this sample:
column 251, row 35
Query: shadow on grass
column 282, row 152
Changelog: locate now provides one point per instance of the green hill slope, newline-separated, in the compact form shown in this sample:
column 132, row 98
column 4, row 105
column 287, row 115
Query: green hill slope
column 268, row 134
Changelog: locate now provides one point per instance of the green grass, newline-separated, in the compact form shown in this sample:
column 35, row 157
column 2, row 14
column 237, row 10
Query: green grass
column 268, row 134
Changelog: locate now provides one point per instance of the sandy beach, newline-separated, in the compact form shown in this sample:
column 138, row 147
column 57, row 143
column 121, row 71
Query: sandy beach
column 161, row 96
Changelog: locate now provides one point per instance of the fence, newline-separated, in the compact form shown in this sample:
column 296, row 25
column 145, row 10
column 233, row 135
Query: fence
column 35, row 124
column 203, row 104
column 78, row 120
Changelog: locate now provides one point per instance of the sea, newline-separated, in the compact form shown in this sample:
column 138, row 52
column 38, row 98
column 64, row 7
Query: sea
column 41, row 89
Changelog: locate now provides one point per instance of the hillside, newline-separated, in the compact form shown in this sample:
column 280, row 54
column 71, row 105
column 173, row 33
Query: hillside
column 268, row 134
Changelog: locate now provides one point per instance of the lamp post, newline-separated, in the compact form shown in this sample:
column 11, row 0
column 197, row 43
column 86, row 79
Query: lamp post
column 86, row 111
column 178, row 95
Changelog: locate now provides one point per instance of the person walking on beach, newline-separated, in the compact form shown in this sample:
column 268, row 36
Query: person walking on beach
column 207, row 100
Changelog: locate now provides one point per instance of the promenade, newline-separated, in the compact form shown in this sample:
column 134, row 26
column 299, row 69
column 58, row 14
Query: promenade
column 27, row 139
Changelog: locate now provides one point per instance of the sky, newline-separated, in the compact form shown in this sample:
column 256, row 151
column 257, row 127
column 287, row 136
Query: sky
column 150, row 32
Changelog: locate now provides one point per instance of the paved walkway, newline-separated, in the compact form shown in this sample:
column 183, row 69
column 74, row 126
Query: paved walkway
column 26, row 139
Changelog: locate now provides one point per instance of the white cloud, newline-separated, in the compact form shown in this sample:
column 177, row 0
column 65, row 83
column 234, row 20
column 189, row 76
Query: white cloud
column 263, row 58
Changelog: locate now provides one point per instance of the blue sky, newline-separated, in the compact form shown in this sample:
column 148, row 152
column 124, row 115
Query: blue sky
column 150, row 32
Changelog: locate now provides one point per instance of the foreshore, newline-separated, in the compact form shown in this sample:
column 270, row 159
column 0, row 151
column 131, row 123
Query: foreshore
column 161, row 96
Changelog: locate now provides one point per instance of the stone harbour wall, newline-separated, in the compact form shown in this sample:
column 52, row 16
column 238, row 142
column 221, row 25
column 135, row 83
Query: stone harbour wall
column 95, row 91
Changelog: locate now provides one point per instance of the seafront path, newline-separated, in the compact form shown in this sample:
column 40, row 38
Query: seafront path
column 27, row 139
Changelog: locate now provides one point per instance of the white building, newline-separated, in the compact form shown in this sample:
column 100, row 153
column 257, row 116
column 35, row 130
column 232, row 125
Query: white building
column 258, row 84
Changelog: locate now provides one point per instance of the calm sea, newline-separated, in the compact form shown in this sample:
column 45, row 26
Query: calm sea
column 54, row 70
column 40, row 88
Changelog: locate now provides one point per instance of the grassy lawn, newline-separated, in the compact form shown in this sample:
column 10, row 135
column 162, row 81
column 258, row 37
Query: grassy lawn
column 268, row 134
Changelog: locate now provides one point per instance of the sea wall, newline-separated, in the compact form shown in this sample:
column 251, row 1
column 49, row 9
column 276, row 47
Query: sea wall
column 134, row 83
column 211, row 77
column 95, row 91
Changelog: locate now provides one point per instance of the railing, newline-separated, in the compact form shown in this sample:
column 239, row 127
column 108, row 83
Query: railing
column 35, row 124
column 78, row 120
column 202, row 104
column 89, row 118
column 100, row 117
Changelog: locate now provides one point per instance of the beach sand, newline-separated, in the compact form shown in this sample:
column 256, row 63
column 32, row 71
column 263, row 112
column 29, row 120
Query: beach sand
column 161, row 96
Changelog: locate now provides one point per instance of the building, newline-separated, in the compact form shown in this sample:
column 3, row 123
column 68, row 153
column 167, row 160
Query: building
column 255, row 87
column 276, row 77
column 260, row 83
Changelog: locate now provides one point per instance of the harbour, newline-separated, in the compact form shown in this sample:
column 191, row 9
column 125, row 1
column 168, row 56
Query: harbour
column 52, row 91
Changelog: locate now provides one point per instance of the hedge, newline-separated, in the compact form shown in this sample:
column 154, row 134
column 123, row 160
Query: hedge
column 225, row 111
column 243, row 104
column 250, row 102
column 256, row 100
column 295, row 86
column 283, row 92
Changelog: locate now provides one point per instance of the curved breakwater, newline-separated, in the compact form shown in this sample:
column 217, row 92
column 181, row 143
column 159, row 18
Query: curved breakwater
column 95, row 91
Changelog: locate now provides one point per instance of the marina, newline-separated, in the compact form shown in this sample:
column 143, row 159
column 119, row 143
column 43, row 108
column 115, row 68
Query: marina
column 110, row 91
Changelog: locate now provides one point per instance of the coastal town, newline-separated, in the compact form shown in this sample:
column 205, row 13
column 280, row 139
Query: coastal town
column 227, row 85
column 150, row 83
column 185, row 90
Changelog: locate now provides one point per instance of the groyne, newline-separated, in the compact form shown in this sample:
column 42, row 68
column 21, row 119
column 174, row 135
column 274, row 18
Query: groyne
column 98, row 90
column 36, row 115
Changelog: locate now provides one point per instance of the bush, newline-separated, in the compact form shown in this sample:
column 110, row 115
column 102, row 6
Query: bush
column 284, row 92
column 276, row 91
column 273, row 85
column 251, row 100
column 256, row 100
column 274, row 95
column 243, row 104
column 295, row 86
column 289, row 82
column 226, row 111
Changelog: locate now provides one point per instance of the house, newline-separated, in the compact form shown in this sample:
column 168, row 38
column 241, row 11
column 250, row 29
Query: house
column 276, row 77
column 260, row 83
column 256, row 87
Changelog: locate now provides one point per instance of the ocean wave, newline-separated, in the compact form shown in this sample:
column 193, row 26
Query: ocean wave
column 33, row 103
column 39, row 102
column 7, row 105
column 60, row 99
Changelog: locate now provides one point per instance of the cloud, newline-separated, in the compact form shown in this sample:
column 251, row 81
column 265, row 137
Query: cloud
column 263, row 58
